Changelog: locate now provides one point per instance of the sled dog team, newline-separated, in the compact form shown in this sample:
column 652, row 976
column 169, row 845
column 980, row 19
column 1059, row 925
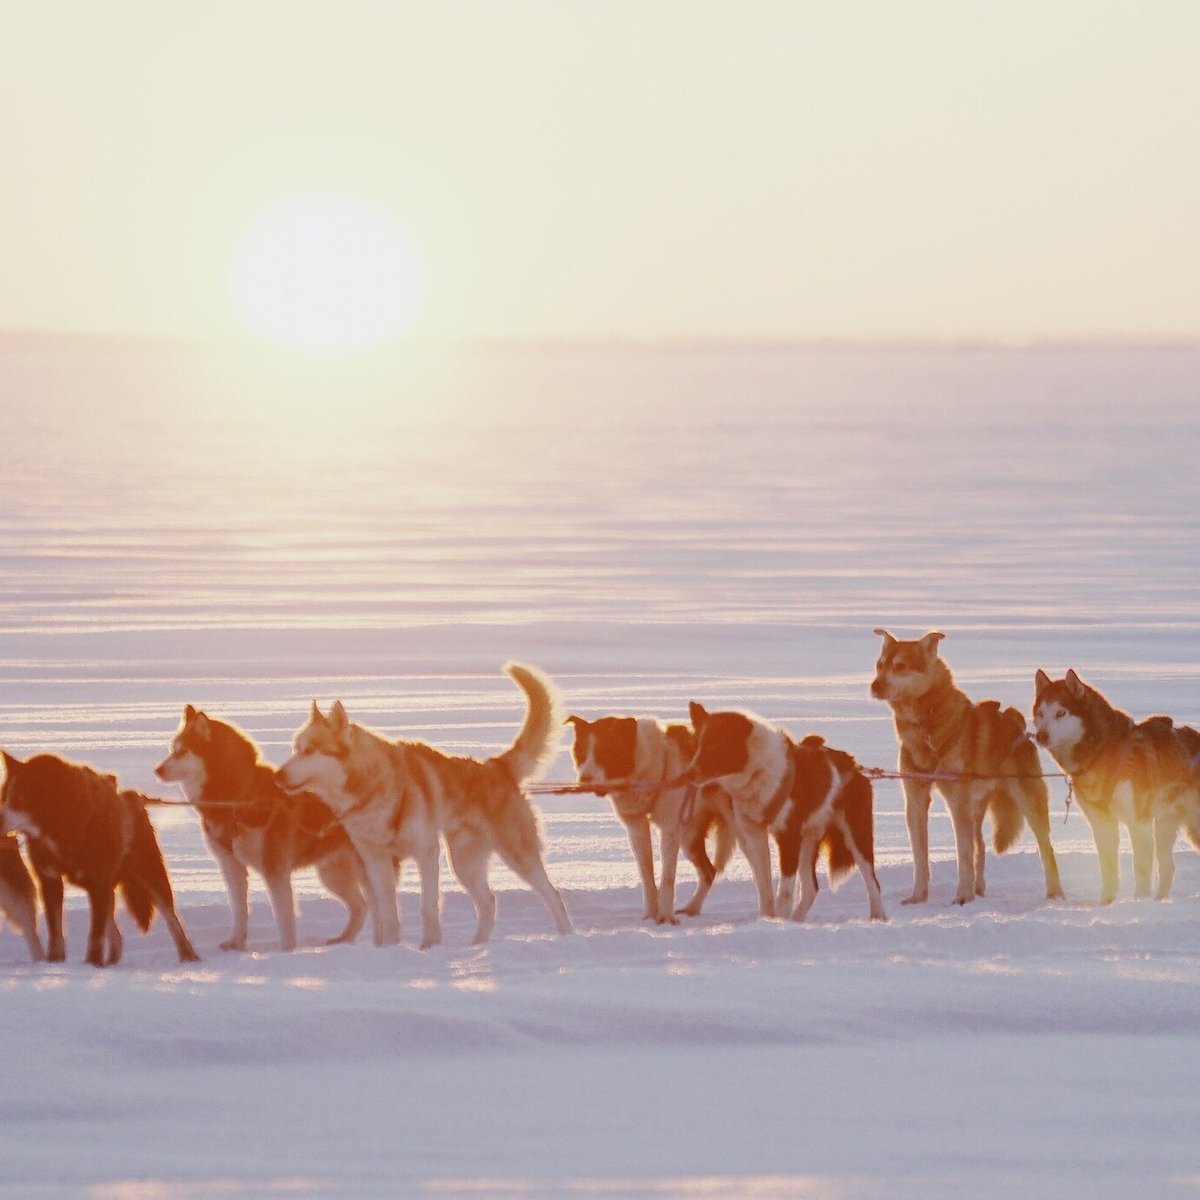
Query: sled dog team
column 354, row 805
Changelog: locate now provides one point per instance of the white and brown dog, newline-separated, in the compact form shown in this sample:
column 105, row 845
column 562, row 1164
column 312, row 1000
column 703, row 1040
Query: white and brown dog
column 632, row 760
column 808, row 795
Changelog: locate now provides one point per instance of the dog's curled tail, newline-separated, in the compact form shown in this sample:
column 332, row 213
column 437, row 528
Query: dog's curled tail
column 537, row 740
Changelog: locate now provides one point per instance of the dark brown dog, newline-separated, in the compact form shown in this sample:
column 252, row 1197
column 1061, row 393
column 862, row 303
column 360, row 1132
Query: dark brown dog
column 80, row 826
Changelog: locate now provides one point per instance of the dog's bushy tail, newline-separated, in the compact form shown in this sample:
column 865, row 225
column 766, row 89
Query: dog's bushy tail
column 141, row 866
column 839, row 860
column 537, row 740
column 1008, row 821
column 724, row 846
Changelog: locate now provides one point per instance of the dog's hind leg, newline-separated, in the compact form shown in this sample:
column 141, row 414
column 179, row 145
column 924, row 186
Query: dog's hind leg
column 791, row 860
column 116, row 943
column 469, row 861
column 1034, row 799
column 531, row 869
column 917, row 794
column 1166, row 829
column 1141, row 839
column 283, row 905
column 101, row 898
column 342, row 875
column 807, row 868
column 706, row 872
column 979, row 804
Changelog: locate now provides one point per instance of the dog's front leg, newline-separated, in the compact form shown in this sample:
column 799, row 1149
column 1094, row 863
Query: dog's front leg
column 1141, row 840
column 1166, row 829
column 381, row 892
column 50, row 885
column 668, row 854
column 756, row 846
column 962, row 816
column 283, row 905
column 1106, row 833
column 917, row 794
column 428, row 863
column 638, row 831
column 237, row 887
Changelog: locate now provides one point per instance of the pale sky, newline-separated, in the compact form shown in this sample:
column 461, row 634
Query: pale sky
column 846, row 169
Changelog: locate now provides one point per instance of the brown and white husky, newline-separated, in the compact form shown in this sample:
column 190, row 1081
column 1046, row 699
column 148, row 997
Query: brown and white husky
column 249, row 823
column 1140, row 775
column 394, row 799
column 984, row 754
column 631, row 761
column 811, row 797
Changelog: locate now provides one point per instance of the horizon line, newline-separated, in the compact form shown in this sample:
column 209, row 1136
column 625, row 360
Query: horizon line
column 14, row 338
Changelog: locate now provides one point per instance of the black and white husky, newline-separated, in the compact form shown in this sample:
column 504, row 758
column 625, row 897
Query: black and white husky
column 809, row 795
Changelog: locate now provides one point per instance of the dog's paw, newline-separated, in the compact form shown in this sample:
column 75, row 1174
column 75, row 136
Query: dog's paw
column 917, row 898
column 689, row 910
column 234, row 943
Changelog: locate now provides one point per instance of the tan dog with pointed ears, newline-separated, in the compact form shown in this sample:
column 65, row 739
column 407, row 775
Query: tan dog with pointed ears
column 986, row 754
column 394, row 799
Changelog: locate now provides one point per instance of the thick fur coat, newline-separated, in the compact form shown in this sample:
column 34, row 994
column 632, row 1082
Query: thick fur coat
column 80, row 826
column 982, row 755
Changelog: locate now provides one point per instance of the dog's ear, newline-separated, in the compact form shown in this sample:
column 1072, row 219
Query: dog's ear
column 1075, row 685
column 888, row 640
column 929, row 643
column 576, row 723
column 10, row 764
column 189, row 713
column 316, row 716
column 201, row 726
column 1041, row 681
column 337, row 717
column 698, row 715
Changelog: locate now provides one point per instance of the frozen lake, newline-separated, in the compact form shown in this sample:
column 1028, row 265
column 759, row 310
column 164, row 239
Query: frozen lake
column 648, row 526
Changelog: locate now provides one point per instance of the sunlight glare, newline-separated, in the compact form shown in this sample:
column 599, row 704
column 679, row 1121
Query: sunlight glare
column 326, row 274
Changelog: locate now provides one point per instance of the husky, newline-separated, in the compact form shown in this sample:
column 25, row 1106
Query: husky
column 810, row 796
column 18, row 902
column 79, row 824
column 249, row 822
column 1140, row 775
column 394, row 799
column 630, row 760
column 990, row 762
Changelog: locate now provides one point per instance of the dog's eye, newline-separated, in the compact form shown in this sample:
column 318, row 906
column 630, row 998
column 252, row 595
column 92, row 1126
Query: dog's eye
column 899, row 668
column 1059, row 714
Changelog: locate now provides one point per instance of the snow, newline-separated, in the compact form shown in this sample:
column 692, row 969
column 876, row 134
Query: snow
column 1038, row 507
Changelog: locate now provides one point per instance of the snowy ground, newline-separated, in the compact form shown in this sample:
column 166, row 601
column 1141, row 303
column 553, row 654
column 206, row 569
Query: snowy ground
column 649, row 528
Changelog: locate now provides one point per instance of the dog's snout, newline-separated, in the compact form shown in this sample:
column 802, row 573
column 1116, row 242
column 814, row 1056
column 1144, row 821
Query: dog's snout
column 1042, row 737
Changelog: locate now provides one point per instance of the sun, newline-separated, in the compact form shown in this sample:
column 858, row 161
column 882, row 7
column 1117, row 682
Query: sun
column 327, row 274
